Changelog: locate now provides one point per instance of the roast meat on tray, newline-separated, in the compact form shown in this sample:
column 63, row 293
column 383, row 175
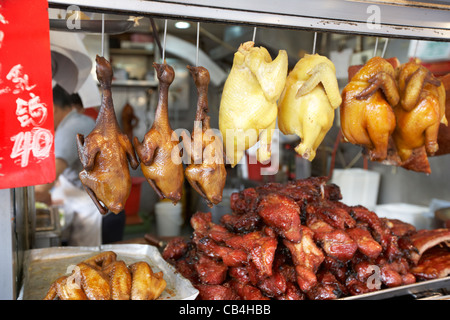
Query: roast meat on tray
column 299, row 241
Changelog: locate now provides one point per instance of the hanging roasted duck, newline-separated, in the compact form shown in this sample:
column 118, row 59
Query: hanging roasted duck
column 159, row 151
column 307, row 104
column 248, row 107
column 420, row 112
column 106, row 152
column 367, row 116
column 206, row 173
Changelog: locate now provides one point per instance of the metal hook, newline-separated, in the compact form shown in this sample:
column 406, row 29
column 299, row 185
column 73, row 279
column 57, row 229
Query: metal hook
column 384, row 48
column 198, row 45
column 314, row 43
column 164, row 42
column 103, row 33
column 376, row 47
column 415, row 49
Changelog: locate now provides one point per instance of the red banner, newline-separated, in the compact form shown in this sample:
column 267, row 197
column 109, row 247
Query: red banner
column 26, row 107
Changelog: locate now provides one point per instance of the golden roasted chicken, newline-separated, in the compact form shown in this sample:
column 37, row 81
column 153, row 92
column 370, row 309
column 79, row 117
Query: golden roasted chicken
column 106, row 152
column 159, row 152
column 103, row 277
column 206, row 172
column 307, row 104
column 420, row 112
column 248, row 107
column 367, row 116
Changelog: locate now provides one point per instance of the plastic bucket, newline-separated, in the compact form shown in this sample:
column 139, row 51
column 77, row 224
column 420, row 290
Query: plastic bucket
column 409, row 213
column 168, row 218
column 358, row 186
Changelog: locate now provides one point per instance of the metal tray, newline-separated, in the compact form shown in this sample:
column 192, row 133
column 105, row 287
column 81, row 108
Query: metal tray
column 430, row 289
column 43, row 266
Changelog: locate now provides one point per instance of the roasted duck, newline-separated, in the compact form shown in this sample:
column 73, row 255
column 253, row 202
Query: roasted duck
column 307, row 104
column 106, row 152
column 103, row 277
column 248, row 109
column 367, row 116
column 159, row 151
column 420, row 112
column 206, row 173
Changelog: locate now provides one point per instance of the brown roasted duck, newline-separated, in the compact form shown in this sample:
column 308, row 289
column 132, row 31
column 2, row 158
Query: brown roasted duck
column 159, row 152
column 206, row 173
column 367, row 116
column 106, row 152
column 420, row 112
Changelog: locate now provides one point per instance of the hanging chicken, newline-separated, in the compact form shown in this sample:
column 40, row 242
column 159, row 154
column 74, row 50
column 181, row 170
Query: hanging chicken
column 206, row 173
column 307, row 104
column 248, row 108
column 420, row 112
column 159, row 151
column 106, row 152
column 367, row 116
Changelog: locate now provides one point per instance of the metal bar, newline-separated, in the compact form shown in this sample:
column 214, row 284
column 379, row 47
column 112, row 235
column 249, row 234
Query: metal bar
column 338, row 16
column 404, row 290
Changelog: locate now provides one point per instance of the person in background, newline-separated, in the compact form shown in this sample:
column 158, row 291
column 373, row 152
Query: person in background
column 78, row 105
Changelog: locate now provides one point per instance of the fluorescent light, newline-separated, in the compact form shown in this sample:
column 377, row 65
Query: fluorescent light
column 182, row 25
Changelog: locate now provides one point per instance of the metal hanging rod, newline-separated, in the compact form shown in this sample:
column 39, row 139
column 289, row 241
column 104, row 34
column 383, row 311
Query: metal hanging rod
column 339, row 16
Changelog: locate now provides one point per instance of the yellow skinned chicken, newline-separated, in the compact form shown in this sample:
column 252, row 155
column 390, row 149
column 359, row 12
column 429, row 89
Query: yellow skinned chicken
column 248, row 107
column 420, row 111
column 307, row 105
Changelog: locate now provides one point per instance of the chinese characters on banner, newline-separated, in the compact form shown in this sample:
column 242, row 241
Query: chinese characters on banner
column 26, row 106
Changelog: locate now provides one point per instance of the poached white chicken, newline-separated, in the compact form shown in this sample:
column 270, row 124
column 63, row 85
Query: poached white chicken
column 248, row 107
column 307, row 104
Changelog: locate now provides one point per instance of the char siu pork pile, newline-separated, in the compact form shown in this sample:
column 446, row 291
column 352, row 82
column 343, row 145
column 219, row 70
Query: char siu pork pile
column 299, row 241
